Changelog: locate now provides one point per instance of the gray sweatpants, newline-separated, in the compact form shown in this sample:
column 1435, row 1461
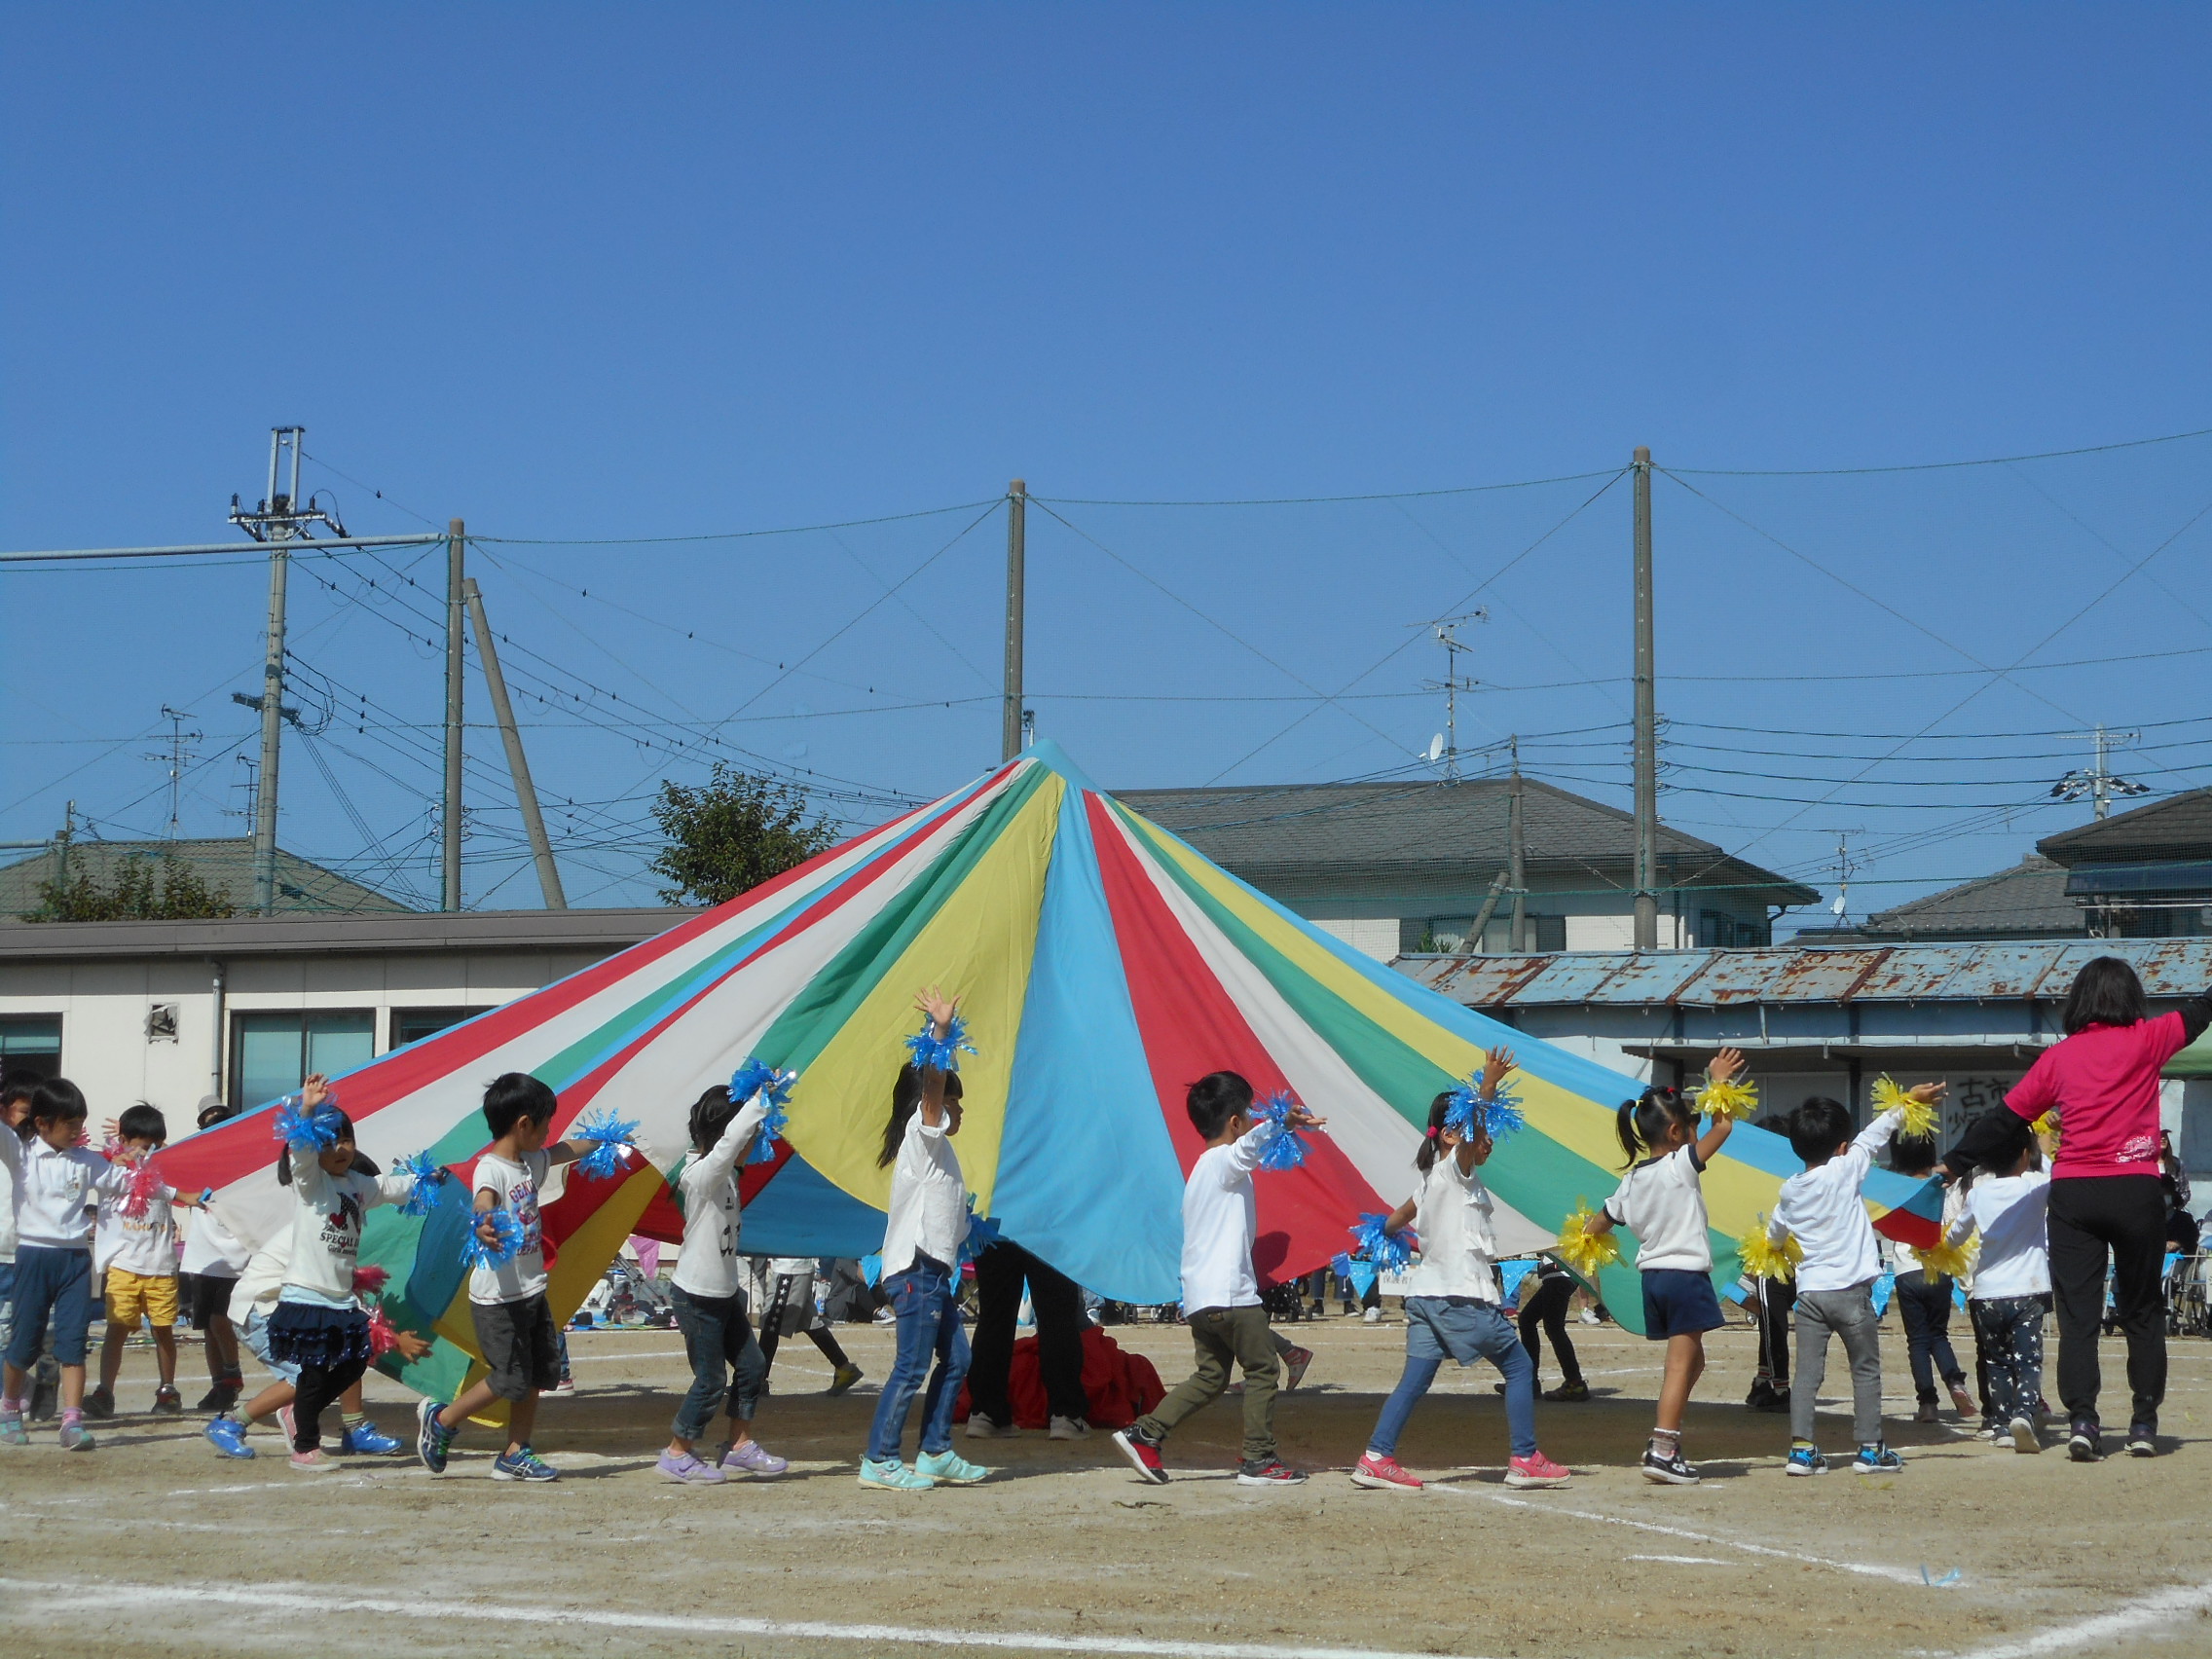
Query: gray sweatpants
column 1848, row 1314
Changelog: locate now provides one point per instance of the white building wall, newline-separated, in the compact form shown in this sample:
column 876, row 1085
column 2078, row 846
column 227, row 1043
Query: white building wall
column 1375, row 936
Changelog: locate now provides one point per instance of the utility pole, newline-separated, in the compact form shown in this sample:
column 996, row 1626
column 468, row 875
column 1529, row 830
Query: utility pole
column 518, row 765
column 1016, row 574
column 1646, row 720
column 1517, row 852
column 177, row 754
column 455, row 539
column 279, row 520
column 1446, row 630
column 2100, row 783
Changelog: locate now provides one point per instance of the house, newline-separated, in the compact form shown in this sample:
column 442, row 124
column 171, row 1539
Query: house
column 1390, row 867
column 224, row 864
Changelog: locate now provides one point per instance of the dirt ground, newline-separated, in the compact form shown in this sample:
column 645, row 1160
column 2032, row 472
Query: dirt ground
column 154, row 1545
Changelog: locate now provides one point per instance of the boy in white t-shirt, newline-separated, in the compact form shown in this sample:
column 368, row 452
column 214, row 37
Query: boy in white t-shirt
column 2009, row 1205
column 1221, row 1293
column 136, row 1252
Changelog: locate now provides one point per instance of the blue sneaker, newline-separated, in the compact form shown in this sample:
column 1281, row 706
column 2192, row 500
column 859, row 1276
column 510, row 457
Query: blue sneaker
column 1877, row 1459
column 891, row 1475
column 524, row 1465
column 1805, row 1460
column 949, row 1468
column 228, row 1436
column 432, row 1439
column 366, row 1442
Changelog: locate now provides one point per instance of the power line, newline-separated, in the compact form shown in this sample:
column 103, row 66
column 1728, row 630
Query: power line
column 1330, row 500
column 1939, row 466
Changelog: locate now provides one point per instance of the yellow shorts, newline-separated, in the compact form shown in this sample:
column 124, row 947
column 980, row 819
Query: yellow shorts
column 130, row 1294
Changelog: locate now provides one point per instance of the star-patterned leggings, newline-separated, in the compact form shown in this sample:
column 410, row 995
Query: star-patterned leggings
column 2011, row 1333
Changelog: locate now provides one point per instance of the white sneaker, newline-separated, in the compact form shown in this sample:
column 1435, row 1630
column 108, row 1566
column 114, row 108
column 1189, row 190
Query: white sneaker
column 1067, row 1428
column 982, row 1427
column 1373, row 1316
column 1589, row 1316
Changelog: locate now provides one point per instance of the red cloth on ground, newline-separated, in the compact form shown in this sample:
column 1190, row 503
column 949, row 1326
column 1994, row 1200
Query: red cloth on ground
column 1121, row 1387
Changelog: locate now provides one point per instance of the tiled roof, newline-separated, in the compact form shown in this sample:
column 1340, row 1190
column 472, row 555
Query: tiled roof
column 2029, row 898
column 224, row 863
column 2177, row 828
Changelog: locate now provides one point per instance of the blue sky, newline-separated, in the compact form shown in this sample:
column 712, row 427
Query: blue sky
column 606, row 274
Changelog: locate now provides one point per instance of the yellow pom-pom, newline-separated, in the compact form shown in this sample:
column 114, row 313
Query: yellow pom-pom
column 1922, row 1118
column 2047, row 1125
column 1954, row 1261
column 1764, row 1259
column 1735, row 1099
column 1584, row 1253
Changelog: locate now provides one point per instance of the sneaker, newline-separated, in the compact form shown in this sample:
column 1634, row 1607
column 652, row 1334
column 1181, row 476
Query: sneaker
column 1960, row 1401
column 1776, row 1399
column 1068, row 1428
column 890, row 1474
column 1763, row 1390
column 167, row 1402
column 523, row 1465
column 1589, row 1316
column 433, row 1441
column 12, row 1430
column 1668, row 1469
column 365, row 1441
column 949, row 1468
column 228, row 1436
column 1806, row 1461
column 286, row 1427
column 567, row 1385
column 885, row 1316
column 1926, row 1411
column 75, row 1436
column 315, row 1463
column 1294, row 1367
column 2143, row 1438
column 1373, row 1316
column 46, row 1390
column 1269, row 1471
column 1536, row 1470
column 1570, row 1394
column 220, row 1398
column 1379, row 1473
column 686, row 1470
column 2086, row 1444
column 753, row 1458
column 845, row 1376
column 100, row 1403
column 982, row 1427
column 1143, row 1456
column 1876, row 1459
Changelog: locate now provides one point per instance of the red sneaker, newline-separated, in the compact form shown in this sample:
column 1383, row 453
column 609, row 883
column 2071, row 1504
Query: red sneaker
column 1143, row 1456
column 1294, row 1364
column 1383, row 1474
column 1536, row 1470
column 1273, row 1472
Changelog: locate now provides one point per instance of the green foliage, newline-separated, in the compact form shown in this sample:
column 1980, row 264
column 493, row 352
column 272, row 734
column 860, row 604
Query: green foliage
column 731, row 834
column 136, row 890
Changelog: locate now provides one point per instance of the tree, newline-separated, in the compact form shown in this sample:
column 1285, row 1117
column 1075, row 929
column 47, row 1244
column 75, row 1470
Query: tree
column 732, row 833
column 132, row 893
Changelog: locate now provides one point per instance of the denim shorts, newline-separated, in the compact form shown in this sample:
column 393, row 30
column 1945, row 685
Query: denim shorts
column 1678, row 1303
column 254, row 1333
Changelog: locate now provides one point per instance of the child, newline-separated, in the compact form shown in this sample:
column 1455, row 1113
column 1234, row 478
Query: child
column 213, row 1259
column 139, row 1254
column 921, row 1269
column 1546, row 1308
column 514, row 1324
column 2012, row 1287
column 1452, row 1299
column 789, row 1285
column 55, row 1180
column 1820, row 1207
column 1661, row 1202
column 1924, row 1304
column 1221, row 1293
column 14, row 1107
column 710, row 1306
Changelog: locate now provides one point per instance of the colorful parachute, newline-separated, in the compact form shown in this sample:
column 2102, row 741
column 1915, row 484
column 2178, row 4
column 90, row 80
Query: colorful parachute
column 1104, row 966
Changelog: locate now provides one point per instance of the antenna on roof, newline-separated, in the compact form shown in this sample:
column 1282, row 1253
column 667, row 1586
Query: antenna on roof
column 1445, row 745
column 2099, row 783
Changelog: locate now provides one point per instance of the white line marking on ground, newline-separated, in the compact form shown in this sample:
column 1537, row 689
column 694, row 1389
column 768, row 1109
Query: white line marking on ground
column 1682, row 1561
column 1869, row 1569
column 2160, row 1607
column 79, row 1598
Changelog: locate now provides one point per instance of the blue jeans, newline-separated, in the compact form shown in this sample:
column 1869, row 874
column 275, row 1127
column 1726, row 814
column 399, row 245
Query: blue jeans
column 1456, row 1327
column 1925, row 1309
column 726, row 1360
column 929, row 1325
column 6, row 1303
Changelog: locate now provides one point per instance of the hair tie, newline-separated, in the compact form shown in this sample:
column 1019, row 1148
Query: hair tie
column 1432, row 1131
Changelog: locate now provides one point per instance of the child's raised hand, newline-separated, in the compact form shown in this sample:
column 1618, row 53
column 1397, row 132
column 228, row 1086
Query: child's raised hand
column 410, row 1346
column 1496, row 1068
column 486, row 1232
column 940, row 1007
column 1928, row 1093
column 1299, row 1117
column 1725, row 1065
column 314, row 1090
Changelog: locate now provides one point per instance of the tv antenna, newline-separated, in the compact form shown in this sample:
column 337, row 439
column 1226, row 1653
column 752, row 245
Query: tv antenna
column 2099, row 783
column 178, row 755
column 1445, row 745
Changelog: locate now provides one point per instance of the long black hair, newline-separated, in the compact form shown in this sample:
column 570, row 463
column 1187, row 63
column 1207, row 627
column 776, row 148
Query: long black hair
column 906, row 1100
column 1642, row 1124
column 711, row 1114
column 2105, row 992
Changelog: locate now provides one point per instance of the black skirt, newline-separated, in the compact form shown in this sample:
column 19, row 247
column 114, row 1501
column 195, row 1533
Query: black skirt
column 301, row 1333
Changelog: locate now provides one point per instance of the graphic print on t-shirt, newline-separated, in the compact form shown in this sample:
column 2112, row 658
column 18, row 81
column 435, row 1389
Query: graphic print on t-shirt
column 341, row 1227
column 522, row 1200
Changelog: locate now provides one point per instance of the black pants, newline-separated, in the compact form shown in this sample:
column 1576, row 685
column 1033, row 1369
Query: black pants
column 1776, row 1298
column 2123, row 1217
column 1548, row 1309
column 1058, row 1301
column 319, row 1386
column 771, row 1330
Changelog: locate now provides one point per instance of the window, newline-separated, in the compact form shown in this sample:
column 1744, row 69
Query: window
column 1550, row 931
column 30, row 1042
column 413, row 1025
column 271, row 1052
column 1716, row 928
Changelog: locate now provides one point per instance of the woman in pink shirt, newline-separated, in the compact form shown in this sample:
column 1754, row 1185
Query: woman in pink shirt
column 2106, row 1201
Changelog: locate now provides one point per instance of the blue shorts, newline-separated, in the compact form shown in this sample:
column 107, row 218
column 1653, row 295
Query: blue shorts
column 1677, row 1302
column 254, row 1333
column 54, row 1287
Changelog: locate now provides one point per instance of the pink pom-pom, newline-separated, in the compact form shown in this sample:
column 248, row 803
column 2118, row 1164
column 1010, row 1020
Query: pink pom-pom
column 367, row 1281
column 383, row 1339
column 138, row 1198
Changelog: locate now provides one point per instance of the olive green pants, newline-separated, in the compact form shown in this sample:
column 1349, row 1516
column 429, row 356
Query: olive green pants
column 1222, row 1336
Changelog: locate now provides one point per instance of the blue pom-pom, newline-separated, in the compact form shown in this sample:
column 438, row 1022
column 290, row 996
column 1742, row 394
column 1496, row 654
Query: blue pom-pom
column 1388, row 1251
column 1287, row 1151
column 983, row 1233
column 1500, row 1115
column 610, row 1136
column 939, row 1054
column 757, row 1077
column 428, row 1177
column 750, row 1079
column 308, row 1129
column 477, row 1254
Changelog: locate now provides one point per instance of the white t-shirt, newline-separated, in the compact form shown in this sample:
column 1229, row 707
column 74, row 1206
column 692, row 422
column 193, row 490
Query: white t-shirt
column 11, row 1183
column 1221, row 1217
column 1822, row 1209
column 327, row 1211
column 516, row 1186
column 1453, row 1220
column 211, row 1251
column 928, row 1199
column 56, row 1186
column 2011, row 1211
column 141, row 1244
column 1661, row 1202
column 708, row 1184
column 262, row 1279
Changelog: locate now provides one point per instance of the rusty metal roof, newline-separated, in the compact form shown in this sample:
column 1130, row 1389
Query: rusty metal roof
column 1999, row 972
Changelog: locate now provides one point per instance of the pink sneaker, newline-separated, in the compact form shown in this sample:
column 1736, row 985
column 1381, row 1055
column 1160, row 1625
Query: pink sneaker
column 1383, row 1474
column 1536, row 1470
column 1294, row 1364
